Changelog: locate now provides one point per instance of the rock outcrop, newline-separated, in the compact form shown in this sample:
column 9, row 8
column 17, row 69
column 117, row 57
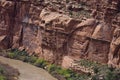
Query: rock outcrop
column 63, row 33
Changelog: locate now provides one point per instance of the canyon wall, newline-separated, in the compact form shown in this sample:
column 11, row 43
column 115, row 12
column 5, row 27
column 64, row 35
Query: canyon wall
column 62, row 31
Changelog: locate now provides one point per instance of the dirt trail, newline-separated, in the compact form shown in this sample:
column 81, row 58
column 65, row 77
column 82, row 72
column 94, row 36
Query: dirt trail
column 27, row 71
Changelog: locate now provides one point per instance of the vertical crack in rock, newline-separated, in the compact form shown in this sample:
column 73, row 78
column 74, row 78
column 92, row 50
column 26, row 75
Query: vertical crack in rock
column 12, row 15
column 54, row 32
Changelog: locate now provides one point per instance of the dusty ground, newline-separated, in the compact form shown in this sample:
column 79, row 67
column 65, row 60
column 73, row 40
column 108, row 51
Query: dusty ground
column 9, row 72
column 27, row 71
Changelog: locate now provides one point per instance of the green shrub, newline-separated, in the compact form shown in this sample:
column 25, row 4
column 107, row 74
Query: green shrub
column 22, row 58
column 31, row 59
column 23, row 53
column 1, row 70
column 51, row 68
column 107, row 73
column 2, row 73
column 12, row 55
column 95, row 69
column 112, row 75
column 40, row 63
column 18, row 52
column 76, row 76
column 99, row 69
column 95, row 77
column 87, row 63
column 2, row 77
column 65, row 72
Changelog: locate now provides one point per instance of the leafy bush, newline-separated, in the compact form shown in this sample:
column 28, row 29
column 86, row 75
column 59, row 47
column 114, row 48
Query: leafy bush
column 41, row 63
column 76, row 76
column 99, row 69
column 1, row 70
column 51, row 68
column 87, row 63
column 20, row 53
column 95, row 69
column 30, row 59
column 65, row 72
column 103, row 71
column 12, row 55
column 16, row 54
column 95, row 77
column 2, row 77
column 112, row 75
column 22, row 58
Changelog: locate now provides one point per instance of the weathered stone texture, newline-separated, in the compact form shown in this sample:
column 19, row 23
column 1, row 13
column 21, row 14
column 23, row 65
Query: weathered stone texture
column 54, row 32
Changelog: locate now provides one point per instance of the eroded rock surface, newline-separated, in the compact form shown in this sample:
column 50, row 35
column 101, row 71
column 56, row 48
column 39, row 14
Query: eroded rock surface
column 54, row 29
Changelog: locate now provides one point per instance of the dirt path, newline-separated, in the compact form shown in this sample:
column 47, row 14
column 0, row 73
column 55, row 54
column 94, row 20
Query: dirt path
column 27, row 71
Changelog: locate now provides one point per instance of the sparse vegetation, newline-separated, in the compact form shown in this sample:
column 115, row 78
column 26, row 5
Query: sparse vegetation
column 2, row 76
column 41, row 63
column 100, row 71
column 51, row 68
column 66, row 73
column 87, row 63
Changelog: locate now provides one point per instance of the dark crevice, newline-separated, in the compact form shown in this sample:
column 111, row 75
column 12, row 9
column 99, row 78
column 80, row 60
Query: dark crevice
column 12, row 16
column 116, row 52
column 21, row 37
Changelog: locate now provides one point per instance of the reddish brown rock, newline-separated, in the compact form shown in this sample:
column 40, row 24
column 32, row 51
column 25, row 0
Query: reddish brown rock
column 67, row 62
column 51, row 31
column 114, row 53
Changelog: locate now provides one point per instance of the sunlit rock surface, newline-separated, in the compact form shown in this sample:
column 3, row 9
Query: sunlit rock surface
column 54, row 29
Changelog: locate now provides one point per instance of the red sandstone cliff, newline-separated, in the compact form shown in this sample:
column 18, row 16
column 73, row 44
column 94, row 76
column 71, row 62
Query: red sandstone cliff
column 62, row 31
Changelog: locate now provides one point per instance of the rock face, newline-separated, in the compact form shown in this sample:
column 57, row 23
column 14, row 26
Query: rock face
column 114, row 53
column 62, row 34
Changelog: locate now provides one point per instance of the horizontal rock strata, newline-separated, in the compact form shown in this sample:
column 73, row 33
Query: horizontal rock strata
column 54, row 29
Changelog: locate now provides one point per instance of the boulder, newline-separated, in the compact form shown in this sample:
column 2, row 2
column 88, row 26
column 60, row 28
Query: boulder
column 114, row 51
column 102, row 32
